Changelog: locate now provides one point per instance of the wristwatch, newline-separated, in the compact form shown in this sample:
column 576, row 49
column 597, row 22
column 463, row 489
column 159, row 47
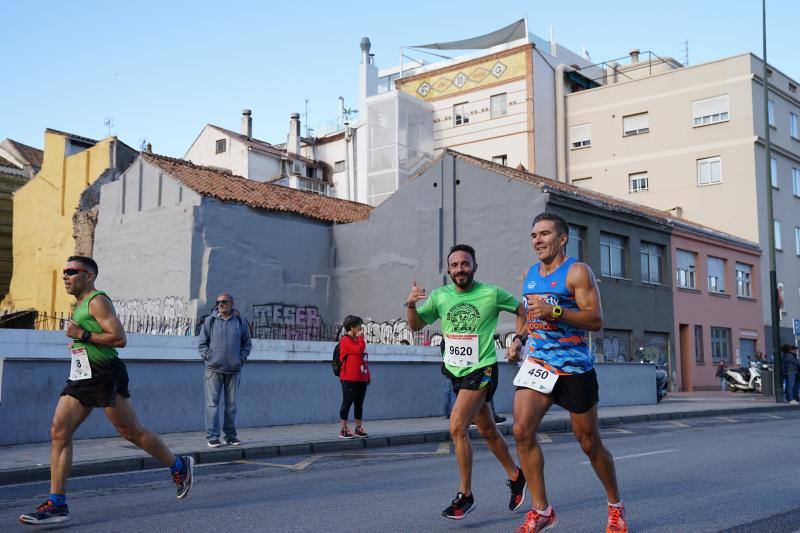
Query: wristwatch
column 557, row 311
column 522, row 338
column 410, row 305
column 86, row 335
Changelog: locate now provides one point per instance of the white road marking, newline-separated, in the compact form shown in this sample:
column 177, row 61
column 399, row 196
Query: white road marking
column 645, row 454
column 671, row 424
column 302, row 465
column 768, row 416
column 616, row 430
column 727, row 419
column 543, row 438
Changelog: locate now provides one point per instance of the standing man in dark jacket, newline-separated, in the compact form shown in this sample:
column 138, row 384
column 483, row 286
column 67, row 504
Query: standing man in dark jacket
column 224, row 346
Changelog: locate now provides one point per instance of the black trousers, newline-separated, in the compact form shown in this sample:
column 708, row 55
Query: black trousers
column 353, row 392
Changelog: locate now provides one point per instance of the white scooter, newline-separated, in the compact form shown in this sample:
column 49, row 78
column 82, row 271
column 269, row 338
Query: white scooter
column 745, row 379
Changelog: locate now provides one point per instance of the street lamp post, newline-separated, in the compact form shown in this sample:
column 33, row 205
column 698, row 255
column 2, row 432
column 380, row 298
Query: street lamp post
column 773, row 276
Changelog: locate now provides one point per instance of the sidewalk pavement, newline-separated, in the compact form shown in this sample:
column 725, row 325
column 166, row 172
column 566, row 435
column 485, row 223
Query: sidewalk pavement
column 30, row 462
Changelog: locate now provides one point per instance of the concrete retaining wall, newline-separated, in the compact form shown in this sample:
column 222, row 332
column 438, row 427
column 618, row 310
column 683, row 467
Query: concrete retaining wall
column 284, row 382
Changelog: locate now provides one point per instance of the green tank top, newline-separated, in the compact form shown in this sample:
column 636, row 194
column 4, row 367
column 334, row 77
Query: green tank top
column 99, row 356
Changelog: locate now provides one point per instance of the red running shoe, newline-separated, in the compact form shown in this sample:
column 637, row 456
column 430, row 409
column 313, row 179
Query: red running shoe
column 536, row 522
column 616, row 520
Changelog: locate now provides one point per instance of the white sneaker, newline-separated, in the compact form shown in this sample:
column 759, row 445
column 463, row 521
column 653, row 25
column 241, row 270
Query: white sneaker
column 794, row 402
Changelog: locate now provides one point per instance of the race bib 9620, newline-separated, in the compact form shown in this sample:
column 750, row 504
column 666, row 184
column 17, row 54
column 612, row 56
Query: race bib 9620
column 461, row 349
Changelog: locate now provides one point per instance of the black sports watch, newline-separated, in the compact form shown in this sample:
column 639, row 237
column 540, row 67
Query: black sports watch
column 522, row 338
column 86, row 336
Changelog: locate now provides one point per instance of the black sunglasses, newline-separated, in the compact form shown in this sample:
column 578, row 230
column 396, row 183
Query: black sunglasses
column 73, row 271
column 223, row 302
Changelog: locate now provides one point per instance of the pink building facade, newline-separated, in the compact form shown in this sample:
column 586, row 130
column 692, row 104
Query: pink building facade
column 718, row 315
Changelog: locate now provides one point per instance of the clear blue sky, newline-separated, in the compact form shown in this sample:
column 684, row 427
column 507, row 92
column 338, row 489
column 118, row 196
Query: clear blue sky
column 164, row 69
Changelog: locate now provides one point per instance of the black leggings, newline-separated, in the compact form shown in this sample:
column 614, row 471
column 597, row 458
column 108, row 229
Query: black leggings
column 353, row 392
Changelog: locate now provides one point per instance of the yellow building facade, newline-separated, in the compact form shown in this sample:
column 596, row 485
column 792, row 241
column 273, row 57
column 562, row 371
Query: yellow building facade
column 43, row 216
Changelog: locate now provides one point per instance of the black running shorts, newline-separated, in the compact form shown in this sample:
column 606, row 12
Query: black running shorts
column 481, row 378
column 577, row 393
column 100, row 391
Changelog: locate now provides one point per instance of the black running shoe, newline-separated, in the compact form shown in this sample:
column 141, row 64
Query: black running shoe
column 185, row 478
column 214, row 443
column 47, row 513
column 232, row 441
column 460, row 507
column 359, row 432
column 517, row 491
column 346, row 434
column 499, row 419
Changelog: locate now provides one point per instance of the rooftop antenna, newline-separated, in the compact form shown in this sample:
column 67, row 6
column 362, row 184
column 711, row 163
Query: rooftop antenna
column 305, row 118
column 685, row 52
column 108, row 122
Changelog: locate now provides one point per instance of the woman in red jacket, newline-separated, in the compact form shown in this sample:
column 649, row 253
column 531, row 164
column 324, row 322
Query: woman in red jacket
column 354, row 375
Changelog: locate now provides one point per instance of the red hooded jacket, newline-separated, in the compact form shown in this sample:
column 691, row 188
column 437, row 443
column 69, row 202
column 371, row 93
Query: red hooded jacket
column 352, row 354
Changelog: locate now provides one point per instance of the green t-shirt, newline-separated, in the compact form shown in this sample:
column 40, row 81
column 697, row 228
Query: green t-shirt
column 101, row 358
column 475, row 311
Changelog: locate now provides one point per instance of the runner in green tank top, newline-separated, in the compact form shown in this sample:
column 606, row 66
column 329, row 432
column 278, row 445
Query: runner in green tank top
column 97, row 378
column 469, row 311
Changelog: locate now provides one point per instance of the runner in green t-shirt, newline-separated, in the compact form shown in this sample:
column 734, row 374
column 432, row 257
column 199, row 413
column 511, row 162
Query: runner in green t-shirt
column 97, row 379
column 469, row 311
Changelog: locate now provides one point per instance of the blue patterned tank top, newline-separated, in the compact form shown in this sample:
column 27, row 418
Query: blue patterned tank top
column 554, row 342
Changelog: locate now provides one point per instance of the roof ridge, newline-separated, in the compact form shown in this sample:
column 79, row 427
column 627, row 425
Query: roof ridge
column 256, row 187
column 589, row 194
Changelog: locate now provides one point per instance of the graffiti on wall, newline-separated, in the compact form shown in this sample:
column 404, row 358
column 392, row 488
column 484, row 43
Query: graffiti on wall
column 168, row 308
column 294, row 322
column 156, row 316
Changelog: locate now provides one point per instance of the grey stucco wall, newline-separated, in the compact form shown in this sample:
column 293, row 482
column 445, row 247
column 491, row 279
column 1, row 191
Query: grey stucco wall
column 144, row 251
column 164, row 251
column 263, row 258
column 283, row 383
column 372, row 274
column 409, row 235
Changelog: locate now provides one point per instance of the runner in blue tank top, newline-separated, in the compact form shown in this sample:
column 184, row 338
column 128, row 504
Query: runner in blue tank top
column 562, row 302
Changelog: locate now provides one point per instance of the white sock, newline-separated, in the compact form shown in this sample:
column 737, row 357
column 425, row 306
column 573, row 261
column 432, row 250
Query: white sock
column 618, row 504
column 546, row 512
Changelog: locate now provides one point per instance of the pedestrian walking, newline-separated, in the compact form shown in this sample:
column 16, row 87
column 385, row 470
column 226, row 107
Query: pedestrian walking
column 721, row 369
column 97, row 378
column 224, row 346
column 354, row 376
column 790, row 365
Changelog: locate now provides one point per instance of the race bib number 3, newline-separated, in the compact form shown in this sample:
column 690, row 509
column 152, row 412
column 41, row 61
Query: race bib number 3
column 532, row 375
column 79, row 367
column 461, row 349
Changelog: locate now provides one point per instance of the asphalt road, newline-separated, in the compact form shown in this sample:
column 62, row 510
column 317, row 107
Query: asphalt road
column 739, row 473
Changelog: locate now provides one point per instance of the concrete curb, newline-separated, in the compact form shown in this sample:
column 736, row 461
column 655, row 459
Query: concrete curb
column 255, row 451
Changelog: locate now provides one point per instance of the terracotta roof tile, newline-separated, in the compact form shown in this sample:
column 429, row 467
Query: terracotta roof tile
column 8, row 164
column 264, row 147
column 604, row 200
column 32, row 155
column 228, row 187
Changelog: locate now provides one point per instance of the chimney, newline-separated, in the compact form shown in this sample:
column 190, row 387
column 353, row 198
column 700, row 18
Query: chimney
column 367, row 75
column 293, row 139
column 365, row 46
column 634, row 55
column 247, row 123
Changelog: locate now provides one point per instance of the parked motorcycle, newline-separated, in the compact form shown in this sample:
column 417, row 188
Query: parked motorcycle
column 744, row 379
